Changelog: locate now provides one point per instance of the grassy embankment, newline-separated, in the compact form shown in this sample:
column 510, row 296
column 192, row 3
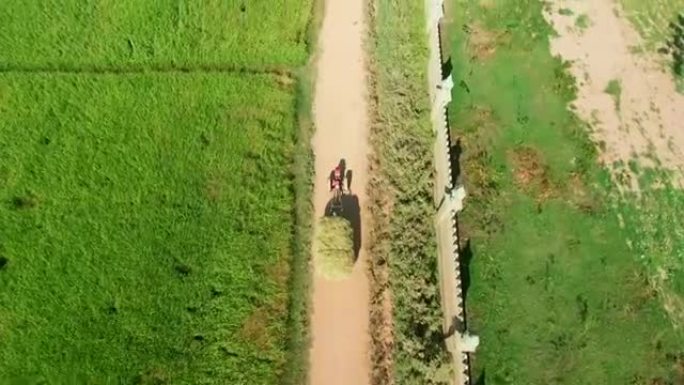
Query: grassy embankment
column 147, row 220
column 561, row 292
column 403, row 247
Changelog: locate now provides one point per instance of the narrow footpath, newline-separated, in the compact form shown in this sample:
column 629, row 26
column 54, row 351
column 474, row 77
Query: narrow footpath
column 340, row 317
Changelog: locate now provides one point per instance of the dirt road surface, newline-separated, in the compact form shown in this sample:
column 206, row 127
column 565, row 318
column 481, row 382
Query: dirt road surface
column 340, row 318
column 643, row 120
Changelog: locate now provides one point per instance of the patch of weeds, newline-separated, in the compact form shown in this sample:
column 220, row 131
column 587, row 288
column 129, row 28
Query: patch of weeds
column 24, row 202
column 530, row 172
column 614, row 89
column 483, row 42
column 254, row 329
column 676, row 46
column 182, row 269
column 566, row 12
column 582, row 22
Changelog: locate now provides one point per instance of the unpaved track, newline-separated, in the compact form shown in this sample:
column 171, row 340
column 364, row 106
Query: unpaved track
column 340, row 318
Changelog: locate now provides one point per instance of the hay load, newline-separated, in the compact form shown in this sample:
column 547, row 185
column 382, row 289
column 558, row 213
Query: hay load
column 333, row 248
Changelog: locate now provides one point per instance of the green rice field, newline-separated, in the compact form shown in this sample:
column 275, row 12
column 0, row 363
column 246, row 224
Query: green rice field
column 148, row 172
column 145, row 226
column 119, row 33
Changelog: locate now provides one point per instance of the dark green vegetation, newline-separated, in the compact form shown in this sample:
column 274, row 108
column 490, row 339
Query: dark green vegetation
column 614, row 89
column 402, row 198
column 677, row 45
column 561, row 293
column 165, row 33
column 146, row 224
column 155, row 192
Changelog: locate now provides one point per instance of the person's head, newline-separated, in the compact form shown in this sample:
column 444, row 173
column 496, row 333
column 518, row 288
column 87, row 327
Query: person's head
column 338, row 172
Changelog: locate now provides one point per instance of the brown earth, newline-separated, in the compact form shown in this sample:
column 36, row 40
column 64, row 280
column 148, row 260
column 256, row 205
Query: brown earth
column 644, row 121
column 340, row 318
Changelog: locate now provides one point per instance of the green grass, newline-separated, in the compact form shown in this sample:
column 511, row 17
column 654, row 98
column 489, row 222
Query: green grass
column 128, row 33
column 655, row 233
column 652, row 19
column 560, row 291
column 299, row 304
column 401, row 194
column 146, row 223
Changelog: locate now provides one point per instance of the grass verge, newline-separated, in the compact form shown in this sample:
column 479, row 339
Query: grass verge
column 403, row 250
column 558, row 293
column 296, row 371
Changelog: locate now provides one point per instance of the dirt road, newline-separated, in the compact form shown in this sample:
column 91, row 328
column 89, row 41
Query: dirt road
column 339, row 324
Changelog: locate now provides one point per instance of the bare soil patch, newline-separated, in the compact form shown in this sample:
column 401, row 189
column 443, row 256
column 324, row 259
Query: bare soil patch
column 483, row 42
column 642, row 118
column 531, row 172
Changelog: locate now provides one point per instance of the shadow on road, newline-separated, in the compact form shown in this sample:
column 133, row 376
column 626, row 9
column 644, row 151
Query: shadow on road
column 351, row 211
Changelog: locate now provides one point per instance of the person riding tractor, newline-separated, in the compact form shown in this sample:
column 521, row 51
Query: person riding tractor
column 336, row 179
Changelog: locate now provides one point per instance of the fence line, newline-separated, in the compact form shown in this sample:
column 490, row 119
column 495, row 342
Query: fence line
column 448, row 200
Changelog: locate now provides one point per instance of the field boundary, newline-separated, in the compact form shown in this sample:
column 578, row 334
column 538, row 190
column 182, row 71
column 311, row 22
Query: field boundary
column 144, row 68
column 298, row 343
column 448, row 199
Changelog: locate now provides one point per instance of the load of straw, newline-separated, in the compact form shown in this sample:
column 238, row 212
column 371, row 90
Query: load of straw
column 333, row 248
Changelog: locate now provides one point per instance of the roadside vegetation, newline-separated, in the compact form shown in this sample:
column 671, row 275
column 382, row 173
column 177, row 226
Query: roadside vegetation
column 297, row 368
column 155, row 181
column 403, row 247
column 572, row 281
